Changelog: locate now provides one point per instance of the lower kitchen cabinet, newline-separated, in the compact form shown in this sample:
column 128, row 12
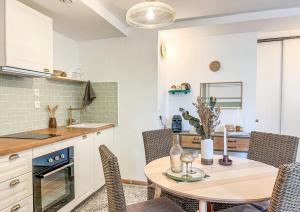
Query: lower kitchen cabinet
column 103, row 137
column 24, row 205
column 83, row 159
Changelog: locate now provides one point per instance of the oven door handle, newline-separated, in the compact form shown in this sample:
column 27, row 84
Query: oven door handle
column 56, row 170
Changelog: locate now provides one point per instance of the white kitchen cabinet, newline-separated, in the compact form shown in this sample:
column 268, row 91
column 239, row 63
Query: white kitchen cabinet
column 103, row 137
column 83, row 159
column 15, row 164
column 26, row 39
column 24, row 205
column 15, row 190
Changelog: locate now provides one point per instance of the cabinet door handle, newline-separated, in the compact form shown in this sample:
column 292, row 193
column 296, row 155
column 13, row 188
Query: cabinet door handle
column 14, row 183
column 46, row 70
column 15, row 208
column 196, row 142
column 196, row 138
column 231, row 141
column 13, row 157
column 84, row 137
column 99, row 133
column 231, row 147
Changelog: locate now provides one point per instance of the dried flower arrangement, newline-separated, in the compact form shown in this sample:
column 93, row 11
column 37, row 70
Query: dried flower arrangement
column 209, row 116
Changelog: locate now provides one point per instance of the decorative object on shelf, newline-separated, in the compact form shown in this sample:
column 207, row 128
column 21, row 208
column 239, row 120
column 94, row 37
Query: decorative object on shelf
column 209, row 117
column 150, row 14
column 59, row 73
column 185, row 86
column 182, row 88
column 52, row 119
column 215, row 66
column 176, row 124
column 175, row 154
column 229, row 127
column 225, row 161
column 163, row 50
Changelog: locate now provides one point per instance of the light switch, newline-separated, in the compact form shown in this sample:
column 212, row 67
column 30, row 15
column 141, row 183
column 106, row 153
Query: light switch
column 36, row 92
column 37, row 104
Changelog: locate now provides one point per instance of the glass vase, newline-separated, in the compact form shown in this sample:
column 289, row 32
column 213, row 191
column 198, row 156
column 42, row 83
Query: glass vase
column 175, row 153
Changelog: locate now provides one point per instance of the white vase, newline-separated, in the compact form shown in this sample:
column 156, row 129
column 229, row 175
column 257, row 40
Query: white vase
column 207, row 152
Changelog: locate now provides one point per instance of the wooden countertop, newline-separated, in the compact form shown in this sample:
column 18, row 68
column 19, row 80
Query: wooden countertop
column 217, row 134
column 13, row 145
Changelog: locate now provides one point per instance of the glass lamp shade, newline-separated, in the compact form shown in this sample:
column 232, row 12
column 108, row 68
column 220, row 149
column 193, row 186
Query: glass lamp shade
column 150, row 14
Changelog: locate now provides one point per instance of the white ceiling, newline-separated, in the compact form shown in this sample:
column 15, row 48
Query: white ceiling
column 77, row 20
column 186, row 9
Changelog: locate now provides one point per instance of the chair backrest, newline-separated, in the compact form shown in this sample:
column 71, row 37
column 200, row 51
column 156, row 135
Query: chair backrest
column 273, row 149
column 113, row 183
column 286, row 192
column 157, row 144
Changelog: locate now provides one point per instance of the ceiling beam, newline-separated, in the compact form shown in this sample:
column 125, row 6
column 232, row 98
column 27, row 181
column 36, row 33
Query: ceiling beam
column 237, row 18
column 96, row 6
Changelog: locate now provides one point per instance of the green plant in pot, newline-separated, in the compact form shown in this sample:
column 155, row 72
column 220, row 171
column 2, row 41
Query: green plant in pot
column 205, row 125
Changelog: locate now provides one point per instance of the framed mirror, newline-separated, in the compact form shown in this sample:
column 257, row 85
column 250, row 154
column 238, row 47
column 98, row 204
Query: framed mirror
column 229, row 94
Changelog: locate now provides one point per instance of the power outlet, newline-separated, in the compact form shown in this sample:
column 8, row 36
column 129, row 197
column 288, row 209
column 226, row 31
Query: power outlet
column 37, row 105
column 36, row 92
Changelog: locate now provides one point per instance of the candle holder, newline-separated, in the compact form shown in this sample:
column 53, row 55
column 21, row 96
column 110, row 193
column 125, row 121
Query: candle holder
column 225, row 161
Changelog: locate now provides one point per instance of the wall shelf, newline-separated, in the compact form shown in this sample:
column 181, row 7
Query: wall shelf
column 67, row 79
column 179, row 91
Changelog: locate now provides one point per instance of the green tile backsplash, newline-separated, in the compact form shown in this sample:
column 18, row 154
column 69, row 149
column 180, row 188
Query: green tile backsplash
column 17, row 112
column 105, row 107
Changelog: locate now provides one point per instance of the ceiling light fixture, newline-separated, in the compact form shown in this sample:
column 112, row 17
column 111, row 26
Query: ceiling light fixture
column 150, row 14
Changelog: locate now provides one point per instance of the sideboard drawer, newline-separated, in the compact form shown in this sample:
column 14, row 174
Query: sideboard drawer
column 25, row 205
column 15, row 165
column 14, row 190
column 188, row 141
column 238, row 144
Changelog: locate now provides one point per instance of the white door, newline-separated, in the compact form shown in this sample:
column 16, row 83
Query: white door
column 29, row 38
column 291, row 89
column 83, row 166
column 268, row 90
column 104, row 137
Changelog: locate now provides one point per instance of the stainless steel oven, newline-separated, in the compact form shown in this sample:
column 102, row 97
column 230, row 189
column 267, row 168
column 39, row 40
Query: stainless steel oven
column 53, row 180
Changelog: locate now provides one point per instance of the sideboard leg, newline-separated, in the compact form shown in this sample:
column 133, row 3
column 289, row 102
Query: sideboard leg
column 202, row 206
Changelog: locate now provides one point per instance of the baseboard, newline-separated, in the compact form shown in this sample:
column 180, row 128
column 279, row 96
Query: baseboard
column 134, row 182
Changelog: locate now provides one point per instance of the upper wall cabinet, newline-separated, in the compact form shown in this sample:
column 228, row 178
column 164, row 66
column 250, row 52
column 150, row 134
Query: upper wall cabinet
column 26, row 37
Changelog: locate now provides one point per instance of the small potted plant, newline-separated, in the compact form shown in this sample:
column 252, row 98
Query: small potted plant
column 209, row 117
column 52, row 119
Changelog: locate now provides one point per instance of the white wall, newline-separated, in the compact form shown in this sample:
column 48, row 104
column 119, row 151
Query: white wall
column 65, row 54
column 132, row 62
column 187, row 60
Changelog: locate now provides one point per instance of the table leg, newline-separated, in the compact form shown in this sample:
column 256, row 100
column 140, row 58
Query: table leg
column 157, row 192
column 202, row 206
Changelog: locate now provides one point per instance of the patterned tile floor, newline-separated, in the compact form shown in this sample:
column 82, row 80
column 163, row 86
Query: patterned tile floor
column 98, row 202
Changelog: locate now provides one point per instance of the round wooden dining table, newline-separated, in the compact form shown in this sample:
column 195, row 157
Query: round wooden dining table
column 245, row 181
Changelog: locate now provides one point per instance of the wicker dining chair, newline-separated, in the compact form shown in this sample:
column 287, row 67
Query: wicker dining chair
column 285, row 196
column 115, row 192
column 271, row 149
column 157, row 144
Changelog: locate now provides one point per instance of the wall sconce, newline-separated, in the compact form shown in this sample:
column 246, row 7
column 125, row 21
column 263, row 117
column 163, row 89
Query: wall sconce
column 163, row 50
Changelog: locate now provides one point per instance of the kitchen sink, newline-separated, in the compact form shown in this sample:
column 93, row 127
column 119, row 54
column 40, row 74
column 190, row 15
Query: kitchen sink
column 88, row 125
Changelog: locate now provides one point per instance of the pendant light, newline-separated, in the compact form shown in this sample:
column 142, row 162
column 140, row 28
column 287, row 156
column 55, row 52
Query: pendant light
column 150, row 14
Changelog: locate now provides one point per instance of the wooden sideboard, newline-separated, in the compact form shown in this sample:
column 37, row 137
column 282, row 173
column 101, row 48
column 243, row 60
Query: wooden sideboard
column 234, row 143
